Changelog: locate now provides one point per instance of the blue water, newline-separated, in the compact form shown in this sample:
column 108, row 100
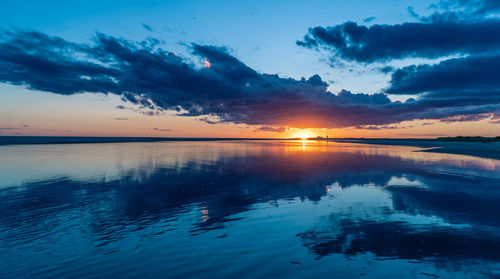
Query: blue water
column 246, row 209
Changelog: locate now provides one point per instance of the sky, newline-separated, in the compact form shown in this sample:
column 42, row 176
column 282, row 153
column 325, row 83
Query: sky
column 391, row 68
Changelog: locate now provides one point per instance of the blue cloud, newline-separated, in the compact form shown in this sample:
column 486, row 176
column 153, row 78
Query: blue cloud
column 147, row 27
column 360, row 43
column 477, row 74
column 225, row 89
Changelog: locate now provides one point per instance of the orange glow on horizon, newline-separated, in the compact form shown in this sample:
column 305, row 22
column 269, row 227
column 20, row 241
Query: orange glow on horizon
column 58, row 116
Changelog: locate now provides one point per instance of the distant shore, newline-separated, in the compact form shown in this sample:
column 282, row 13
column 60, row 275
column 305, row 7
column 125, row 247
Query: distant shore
column 23, row 140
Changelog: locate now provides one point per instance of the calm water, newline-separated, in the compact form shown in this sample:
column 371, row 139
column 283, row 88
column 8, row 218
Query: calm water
column 254, row 209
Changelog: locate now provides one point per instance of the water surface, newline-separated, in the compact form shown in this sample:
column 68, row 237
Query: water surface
column 246, row 209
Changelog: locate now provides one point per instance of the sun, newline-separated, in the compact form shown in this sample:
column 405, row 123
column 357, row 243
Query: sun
column 304, row 134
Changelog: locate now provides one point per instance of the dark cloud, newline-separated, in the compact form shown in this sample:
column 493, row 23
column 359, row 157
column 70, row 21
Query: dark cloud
column 475, row 73
column 270, row 129
column 223, row 90
column 466, row 87
column 369, row 19
column 121, row 118
column 379, row 127
column 470, row 8
column 354, row 42
column 470, row 83
column 386, row 69
column 161, row 130
column 412, row 12
column 466, row 118
column 147, row 27
column 29, row 58
column 423, row 135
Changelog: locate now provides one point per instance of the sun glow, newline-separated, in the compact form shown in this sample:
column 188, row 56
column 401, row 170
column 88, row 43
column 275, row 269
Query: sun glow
column 303, row 134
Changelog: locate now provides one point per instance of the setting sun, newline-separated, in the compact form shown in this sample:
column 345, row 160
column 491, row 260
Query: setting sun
column 304, row 134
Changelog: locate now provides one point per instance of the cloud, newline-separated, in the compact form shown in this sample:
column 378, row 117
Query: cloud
column 412, row 12
column 161, row 130
column 466, row 118
column 421, row 135
column 378, row 127
column 270, row 129
column 369, row 19
column 470, row 8
column 473, row 73
column 147, row 27
column 386, row 69
column 465, row 87
column 29, row 58
column 121, row 118
column 228, row 91
column 353, row 42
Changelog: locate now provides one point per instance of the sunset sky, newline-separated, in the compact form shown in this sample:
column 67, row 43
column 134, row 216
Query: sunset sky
column 391, row 68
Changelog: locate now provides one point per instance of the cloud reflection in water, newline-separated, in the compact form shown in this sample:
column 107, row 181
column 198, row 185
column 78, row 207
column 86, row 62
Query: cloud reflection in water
column 100, row 206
